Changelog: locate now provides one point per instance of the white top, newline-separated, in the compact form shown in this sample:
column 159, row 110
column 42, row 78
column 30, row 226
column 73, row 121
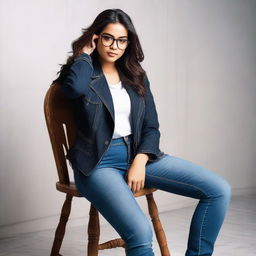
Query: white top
column 122, row 107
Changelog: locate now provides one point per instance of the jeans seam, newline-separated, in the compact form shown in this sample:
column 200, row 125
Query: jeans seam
column 178, row 182
column 200, row 236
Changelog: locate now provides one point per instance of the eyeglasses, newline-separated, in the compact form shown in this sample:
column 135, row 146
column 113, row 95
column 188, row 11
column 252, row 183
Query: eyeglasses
column 108, row 40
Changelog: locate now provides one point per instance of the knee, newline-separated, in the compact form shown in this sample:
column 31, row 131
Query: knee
column 140, row 235
column 224, row 189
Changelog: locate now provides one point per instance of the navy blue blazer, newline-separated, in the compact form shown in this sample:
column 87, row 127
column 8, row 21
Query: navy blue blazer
column 86, row 84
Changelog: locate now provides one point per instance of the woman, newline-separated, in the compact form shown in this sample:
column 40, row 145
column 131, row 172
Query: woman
column 116, row 151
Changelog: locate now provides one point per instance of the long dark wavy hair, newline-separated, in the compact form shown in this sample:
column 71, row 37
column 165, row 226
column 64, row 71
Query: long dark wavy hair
column 128, row 65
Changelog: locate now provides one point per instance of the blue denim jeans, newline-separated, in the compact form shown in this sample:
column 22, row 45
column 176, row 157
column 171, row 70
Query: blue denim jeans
column 107, row 189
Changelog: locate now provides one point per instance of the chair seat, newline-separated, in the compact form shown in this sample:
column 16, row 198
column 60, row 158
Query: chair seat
column 144, row 191
column 68, row 188
column 72, row 190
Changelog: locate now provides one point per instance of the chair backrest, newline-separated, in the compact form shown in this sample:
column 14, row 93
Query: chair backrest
column 61, row 126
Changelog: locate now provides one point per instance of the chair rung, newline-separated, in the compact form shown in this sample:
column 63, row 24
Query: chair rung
column 112, row 244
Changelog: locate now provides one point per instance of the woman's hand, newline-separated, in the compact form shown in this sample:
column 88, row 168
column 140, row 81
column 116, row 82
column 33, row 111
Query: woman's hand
column 136, row 173
column 90, row 48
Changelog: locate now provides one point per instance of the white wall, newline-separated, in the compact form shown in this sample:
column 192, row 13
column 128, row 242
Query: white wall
column 200, row 57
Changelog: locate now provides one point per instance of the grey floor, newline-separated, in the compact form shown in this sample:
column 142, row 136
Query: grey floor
column 236, row 238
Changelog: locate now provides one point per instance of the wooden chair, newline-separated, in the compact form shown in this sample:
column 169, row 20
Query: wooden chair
column 61, row 127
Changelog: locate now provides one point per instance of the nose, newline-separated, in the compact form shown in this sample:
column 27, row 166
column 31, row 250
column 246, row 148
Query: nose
column 114, row 45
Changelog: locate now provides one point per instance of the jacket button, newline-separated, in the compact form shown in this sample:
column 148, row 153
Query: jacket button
column 106, row 142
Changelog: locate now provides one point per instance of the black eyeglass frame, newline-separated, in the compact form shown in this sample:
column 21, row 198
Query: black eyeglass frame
column 114, row 39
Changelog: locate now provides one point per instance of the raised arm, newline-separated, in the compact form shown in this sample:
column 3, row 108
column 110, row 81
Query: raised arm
column 76, row 81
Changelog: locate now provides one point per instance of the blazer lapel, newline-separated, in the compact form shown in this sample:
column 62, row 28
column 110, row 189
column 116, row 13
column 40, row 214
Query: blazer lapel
column 100, row 86
column 102, row 89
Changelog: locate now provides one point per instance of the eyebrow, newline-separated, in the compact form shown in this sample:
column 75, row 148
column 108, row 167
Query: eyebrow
column 113, row 36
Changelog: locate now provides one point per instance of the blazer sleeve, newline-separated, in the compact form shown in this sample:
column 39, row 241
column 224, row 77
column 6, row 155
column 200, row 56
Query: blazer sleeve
column 76, row 81
column 150, row 134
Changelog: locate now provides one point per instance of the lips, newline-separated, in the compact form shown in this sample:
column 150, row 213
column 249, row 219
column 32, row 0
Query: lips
column 111, row 53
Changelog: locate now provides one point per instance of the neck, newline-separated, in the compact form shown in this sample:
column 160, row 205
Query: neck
column 107, row 67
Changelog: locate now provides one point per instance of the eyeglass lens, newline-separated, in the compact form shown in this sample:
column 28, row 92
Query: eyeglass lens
column 109, row 40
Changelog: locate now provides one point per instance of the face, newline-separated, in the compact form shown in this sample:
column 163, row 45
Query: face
column 117, row 31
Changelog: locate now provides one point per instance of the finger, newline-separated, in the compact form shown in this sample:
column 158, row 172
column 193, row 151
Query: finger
column 138, row 187
column 142, row 184
column 93, row 42
column 134, row 187
column 93, row 39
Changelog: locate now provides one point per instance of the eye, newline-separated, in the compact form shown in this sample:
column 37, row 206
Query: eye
column 122, row 41
column 107, row 38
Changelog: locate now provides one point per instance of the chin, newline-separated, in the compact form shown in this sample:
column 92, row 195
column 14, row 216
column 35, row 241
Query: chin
column 111, row 59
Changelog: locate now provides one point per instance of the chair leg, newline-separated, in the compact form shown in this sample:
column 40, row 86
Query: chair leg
column 160, row 235
column 60, row 231
column 93, row 232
